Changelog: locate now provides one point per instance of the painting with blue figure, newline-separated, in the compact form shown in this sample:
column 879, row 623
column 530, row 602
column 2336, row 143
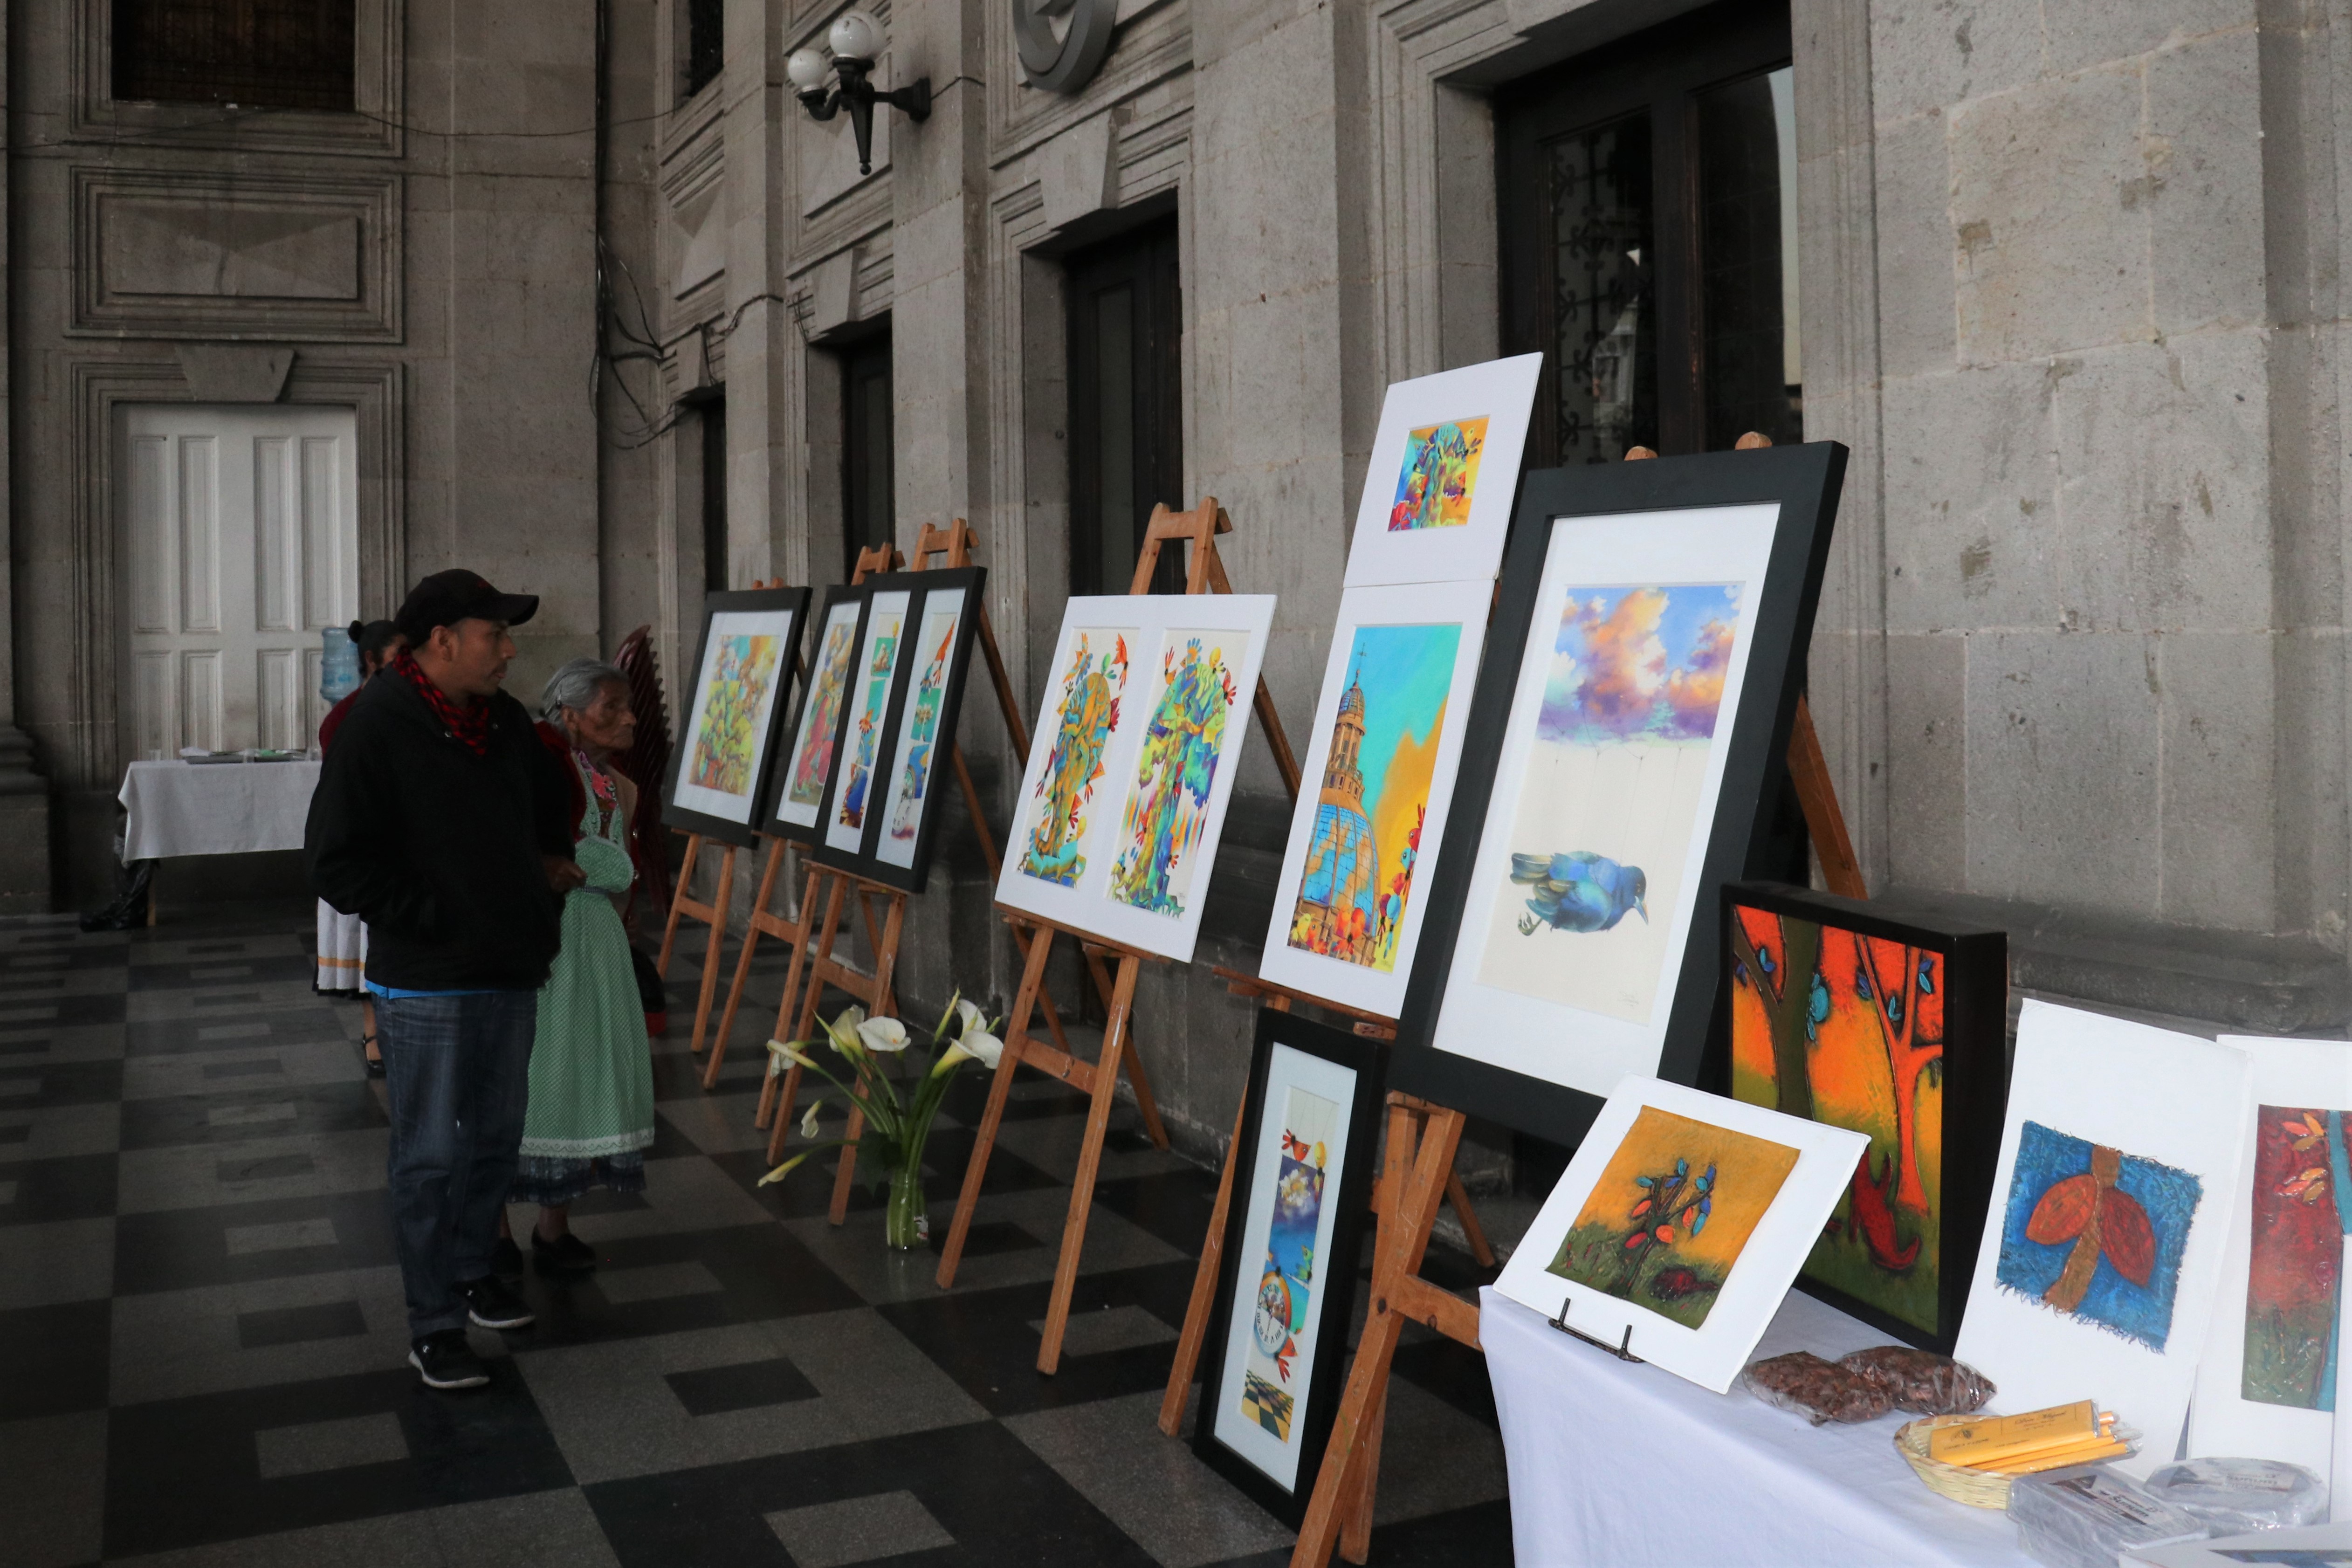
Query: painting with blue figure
column 1579, row 892
column 2096, row 1234
column 1280, row 1352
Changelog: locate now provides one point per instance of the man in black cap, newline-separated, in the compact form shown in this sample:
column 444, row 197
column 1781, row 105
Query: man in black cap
column 441, row 821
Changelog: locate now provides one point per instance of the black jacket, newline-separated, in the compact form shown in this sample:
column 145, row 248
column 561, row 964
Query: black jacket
column 437, row 849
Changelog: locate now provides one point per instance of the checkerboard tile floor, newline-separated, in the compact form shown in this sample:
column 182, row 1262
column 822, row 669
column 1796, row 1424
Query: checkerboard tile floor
column 202, row 1343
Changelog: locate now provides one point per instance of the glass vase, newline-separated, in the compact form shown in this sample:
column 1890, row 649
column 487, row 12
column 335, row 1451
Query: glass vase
column 906, row 1219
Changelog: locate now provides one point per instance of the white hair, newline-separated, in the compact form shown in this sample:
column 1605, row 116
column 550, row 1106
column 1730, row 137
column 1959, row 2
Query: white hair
column 575, row 685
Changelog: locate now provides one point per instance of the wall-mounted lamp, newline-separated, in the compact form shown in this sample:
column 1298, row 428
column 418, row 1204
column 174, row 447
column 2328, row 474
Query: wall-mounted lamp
column 855, row 39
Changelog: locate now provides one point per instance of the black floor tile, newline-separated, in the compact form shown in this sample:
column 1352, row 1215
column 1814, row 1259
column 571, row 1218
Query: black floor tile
column 46, row 1011
column 715, row 1390
column 78, row 1186
column 761, row 1270
column 1174, row 1207
column 182, row 1472
column 262, row 1167
column 204, row 969
column 1002, row 1503
column 299, row 1325
column 44, row 1085
column 53, row 1359
column 235, row 1115
column 180, row 1038
column 982, row 1338
column 1457, row 1539
column 181, row 1249
column 988, row 1238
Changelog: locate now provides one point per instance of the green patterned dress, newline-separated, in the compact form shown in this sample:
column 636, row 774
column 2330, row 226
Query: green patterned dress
column 592, row 1082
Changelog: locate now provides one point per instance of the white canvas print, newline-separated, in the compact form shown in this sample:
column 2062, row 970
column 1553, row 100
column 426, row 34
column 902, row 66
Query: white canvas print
column 1586, row 880
column 1444, row 475
column 1271, row 1350
column 746, row 662
column 1684, row 1218
column 1379, row 772
column 915, row 760
column 2267, row 1386
column 1146, row 713
column 810, row 761
column 873, row 679
column 2103, row 1252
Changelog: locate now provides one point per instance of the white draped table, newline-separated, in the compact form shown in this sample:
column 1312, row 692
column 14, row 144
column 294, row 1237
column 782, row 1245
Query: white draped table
column 215, row 808
column 1619, row 1466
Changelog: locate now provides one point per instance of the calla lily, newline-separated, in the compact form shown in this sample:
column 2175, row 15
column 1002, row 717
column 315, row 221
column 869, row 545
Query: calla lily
column 808, row 1118
column 972, row 1018
column 955, row 1003
column 782, row 1051
column 883, row 1035
column 983, row 1048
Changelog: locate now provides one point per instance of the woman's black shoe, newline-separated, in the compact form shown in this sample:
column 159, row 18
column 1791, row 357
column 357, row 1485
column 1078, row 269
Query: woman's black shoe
column 565, row 1254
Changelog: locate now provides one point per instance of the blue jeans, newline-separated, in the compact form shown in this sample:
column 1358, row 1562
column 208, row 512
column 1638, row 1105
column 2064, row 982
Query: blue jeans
column 459, row 1068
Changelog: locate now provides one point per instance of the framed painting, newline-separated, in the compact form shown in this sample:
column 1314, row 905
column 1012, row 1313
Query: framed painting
column 734, row 716
column 892, row 841
column 816, row 731
column 851, row 794
column 1275, row 1359
column 1445, row 471
column 2267, row 1385
column 1684, row 1216
column 1349, row 911
column 1123, row 802
column 1893, row 1024
column 1640, row 682
column 2103, row 1254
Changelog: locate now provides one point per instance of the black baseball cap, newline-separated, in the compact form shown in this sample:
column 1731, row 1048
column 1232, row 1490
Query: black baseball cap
column 448, row 597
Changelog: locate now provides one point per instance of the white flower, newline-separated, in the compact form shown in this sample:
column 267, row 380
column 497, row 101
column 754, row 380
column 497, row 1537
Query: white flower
column 884, row 1035
column 978, row 1046
column 782, row 1051
column 954, row 1002
column 972, row 1018
column 808, row 1118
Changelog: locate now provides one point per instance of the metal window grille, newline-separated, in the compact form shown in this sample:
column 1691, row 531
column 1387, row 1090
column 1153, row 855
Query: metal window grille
column 263, row 54
column 706, row 42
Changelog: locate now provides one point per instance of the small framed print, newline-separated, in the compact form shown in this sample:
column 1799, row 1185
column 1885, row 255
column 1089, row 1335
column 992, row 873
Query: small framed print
column 897, row 807
column 734, row 717
column 1276, row 1358
column 875, row 677
column 1445, row 473
column 816, row 731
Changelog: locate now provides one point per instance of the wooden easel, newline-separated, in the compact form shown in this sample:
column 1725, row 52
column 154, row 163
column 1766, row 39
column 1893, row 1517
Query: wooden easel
column 1422, row 1142
column 714, row 914
column 1204, row 573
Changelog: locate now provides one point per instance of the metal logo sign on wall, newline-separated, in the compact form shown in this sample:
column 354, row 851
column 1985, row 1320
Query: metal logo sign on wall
column 1062, row 42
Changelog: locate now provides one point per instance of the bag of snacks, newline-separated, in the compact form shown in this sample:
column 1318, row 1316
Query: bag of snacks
column 1921, row 1381
column 1802, row 1382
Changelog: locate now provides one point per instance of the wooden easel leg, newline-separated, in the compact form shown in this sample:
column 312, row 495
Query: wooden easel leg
column 678, row 903
column 1356, row 1530
column 802, row 933
column 1082, row 1187
column 1205, row 1287
column 1022, row 937
column 1476, row 1233
column 782, row 1124
column 711, row 953
column 1809, row 773
column 1033, row 976
column 846, row 1172
column 886, row 960
column 1131, row 1058
column 1341, row 1488
column 806, row 1024
column 743, row 964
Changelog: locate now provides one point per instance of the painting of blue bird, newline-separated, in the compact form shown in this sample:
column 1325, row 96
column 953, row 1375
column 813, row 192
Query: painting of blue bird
column 1579, row 892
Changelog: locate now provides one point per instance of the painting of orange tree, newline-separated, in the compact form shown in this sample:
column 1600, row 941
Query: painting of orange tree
column 1671, row 1214
column 1845, row 1030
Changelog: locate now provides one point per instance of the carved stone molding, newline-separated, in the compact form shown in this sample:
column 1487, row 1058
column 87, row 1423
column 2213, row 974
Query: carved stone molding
column 193, row 254
column 373, row 388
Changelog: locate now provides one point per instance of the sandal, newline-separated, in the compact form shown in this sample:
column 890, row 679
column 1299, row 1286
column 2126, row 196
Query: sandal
column 374, row 1062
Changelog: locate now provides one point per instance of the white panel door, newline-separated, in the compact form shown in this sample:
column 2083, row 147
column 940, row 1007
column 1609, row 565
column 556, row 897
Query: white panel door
column 240, row 534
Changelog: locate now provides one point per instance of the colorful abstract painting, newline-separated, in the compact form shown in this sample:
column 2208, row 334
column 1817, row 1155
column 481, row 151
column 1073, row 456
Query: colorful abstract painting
column 1836, row 1026
column 1358, row 876
column 1279, row 1326
column 727, row 741
column 1095, row 680
column 918, row 748
column 1167, row 812
column 873, row 703
column 1671, row 1214
column 2096, row 1234
column 806, row 785
column 1439, row 475
column 2295, row 1269
column 1610, row 792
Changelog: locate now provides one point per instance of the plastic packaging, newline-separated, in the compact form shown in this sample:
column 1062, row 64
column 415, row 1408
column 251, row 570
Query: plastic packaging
column 1921, row 1381
column 2087, row 1516
column 2233, row 1496
column 1818, row 1390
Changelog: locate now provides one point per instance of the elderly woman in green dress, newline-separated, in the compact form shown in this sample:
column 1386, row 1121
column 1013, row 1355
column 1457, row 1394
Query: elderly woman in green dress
column 591, row 1086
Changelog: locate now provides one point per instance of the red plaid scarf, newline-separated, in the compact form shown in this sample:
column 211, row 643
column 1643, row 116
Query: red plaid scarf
column 469, row 726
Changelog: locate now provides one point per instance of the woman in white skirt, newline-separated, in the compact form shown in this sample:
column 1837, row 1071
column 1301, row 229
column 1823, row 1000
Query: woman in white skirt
column 342, row 939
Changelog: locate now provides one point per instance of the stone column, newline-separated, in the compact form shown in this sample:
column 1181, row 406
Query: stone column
column 24, row 883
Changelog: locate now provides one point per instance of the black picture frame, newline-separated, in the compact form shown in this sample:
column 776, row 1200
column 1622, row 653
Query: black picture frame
column 866, row 860
column 1333, row 1301
column 690, row 819
column 1804, row 481
column 1968, row 983
column 850, row 599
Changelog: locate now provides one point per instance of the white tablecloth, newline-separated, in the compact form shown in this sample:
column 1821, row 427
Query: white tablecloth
column 215, row 808
column 1628, row 1467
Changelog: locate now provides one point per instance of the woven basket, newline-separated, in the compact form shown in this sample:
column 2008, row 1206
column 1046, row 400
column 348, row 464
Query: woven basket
column 1977, row 1489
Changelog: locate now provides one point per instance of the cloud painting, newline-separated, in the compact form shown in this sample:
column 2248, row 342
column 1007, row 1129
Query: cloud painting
column 1639, row 664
